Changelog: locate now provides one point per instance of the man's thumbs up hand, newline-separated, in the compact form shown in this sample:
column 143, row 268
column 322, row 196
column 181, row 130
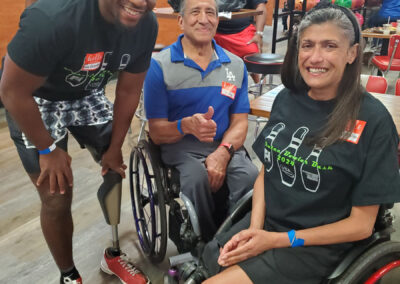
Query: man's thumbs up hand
column 209, row 114
column 201, row 125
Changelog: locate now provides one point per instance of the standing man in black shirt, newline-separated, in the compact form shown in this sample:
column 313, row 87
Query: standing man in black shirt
column 56, row 68
column 244, row 35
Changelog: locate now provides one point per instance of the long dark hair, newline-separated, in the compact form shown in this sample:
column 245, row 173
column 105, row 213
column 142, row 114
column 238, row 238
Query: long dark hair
column 350, row 93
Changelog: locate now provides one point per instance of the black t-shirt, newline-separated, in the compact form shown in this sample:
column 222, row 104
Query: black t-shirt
column 70, row 43
column 306, row 186
column 237, row 25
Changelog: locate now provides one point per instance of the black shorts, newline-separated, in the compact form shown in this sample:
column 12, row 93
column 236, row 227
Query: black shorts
column 96, row 138
column 309, row 264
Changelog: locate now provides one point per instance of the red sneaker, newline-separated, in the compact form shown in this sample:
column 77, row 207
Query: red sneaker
column 123, row 269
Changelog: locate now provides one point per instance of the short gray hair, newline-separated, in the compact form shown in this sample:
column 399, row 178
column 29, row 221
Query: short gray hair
column 336, row 16
column 183, row 6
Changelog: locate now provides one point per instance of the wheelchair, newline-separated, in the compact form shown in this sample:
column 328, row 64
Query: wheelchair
column 153, row 185
column 371, row 261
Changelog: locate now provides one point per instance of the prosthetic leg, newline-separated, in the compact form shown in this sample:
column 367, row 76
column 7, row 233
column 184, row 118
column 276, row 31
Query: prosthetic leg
column 109, row 195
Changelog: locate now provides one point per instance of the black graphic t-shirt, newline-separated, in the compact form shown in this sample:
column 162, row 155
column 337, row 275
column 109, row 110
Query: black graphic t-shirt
column 306, row 186
column 237, row 25
column 70, row 43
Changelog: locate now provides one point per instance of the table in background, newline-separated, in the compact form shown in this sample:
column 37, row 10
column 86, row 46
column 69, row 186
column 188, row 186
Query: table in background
column 261, row 106
column 369, row 33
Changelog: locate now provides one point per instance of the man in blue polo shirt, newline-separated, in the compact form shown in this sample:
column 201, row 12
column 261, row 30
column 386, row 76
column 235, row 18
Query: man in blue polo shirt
column 196, row 101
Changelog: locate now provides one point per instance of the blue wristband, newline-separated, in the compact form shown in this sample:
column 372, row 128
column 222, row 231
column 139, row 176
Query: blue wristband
column 178, row 125
column 294, row 242
column 48, row 150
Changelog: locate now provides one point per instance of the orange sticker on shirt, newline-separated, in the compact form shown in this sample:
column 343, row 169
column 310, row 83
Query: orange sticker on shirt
column 356, row 133
column 228, row 90
column 92, row 61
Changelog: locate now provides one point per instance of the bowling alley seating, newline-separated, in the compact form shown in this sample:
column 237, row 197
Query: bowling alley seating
column 264, row 64
column 391, row 61
column 374, row 84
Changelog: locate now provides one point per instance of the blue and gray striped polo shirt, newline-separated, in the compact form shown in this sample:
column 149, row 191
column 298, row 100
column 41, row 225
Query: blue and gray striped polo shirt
column 176, row 87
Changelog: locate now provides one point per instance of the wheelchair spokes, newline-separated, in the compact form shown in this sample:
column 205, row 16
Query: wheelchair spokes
column 147, row 203
column 140, row 197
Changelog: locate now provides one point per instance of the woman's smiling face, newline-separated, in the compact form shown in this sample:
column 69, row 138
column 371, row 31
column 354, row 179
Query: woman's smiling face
column 324, row 52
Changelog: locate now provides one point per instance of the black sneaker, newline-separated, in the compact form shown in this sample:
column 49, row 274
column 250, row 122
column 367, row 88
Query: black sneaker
column 70, row 280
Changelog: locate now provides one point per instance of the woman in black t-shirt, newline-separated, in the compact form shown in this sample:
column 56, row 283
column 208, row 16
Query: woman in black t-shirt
column 329, row 161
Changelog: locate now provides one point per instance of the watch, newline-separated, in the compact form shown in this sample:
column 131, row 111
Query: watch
column 229, row 148
column 260, row 33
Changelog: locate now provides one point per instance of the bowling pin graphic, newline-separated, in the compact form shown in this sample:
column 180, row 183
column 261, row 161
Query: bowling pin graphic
column 269, row 140
column 309, row 172
column 124, row 61
column 286, row 164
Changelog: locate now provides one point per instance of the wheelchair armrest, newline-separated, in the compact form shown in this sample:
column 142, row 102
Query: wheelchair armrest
column 192, row 214
column 155, row 152
column 384, row 218
column 241, row 208
column 360, row 248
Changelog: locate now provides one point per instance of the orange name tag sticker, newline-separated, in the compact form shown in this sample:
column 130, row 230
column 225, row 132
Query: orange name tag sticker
column 92, row 61
column 356, row 133
column 228, row 90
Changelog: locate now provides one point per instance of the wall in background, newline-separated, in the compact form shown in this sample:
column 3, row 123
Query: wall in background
column 10, row 11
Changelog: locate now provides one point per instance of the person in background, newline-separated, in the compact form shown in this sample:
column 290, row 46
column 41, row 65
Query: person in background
column 388, row 12
column 55, row 71
column 319, row 189
column 285, row 18
column 244, row 35
column 196, row 101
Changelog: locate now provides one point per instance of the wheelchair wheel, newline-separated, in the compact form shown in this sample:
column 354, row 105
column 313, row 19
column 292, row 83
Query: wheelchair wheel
column 148, row 204
column 370, row 262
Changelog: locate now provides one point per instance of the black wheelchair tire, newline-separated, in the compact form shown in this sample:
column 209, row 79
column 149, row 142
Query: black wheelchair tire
column 369, row 262
column 154, row 246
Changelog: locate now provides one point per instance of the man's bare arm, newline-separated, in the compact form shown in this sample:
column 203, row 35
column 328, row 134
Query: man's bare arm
column 217, row 161
column 259, row 24
column 127, row 95
column 16, row 89
column 200, row 125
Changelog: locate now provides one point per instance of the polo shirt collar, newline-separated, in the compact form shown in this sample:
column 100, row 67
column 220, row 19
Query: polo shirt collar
column 177, row 54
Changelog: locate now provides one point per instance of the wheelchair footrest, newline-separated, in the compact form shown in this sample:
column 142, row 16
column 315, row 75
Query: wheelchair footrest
column 180, row 259
column 179, row 227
